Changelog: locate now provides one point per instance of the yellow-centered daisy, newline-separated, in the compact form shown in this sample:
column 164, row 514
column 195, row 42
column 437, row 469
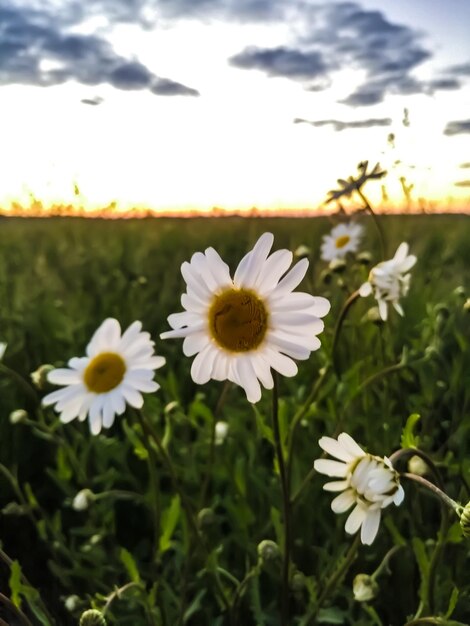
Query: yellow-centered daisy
column 114, row 373
column 240, row 328
column 342, row 239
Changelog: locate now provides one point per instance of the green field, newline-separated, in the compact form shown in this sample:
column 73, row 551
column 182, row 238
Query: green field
column 60, row 278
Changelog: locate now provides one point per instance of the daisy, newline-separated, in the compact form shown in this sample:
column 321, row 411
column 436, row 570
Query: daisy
column 343, row 238
column 368, row 482
column 389, row 280
column 114, row 373
column 240, row 328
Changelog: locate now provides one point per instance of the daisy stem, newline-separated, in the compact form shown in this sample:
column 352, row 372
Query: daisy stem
column 151, row 432
column 408, row 452
column 339, row 324
column 338, row 574
column 452, row 504
column 27, row 388
column 285, row 504
column 376, row 222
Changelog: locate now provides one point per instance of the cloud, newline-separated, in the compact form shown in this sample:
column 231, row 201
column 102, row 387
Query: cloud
column 35, row 51
column 339, row 125
column 462, row 183
column 282, row 61
column 457, row 127
column 460, row 70
column 168, row 87
column 92, row 101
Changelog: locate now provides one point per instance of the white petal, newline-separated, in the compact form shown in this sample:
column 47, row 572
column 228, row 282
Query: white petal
column 263, row 371
column 183, row 332
column 336, row 485
column 247, row 377
column 274, row 267
column 106, row 337
column 398, row 497
column 365, row 290
column 55, row 396
column 370, row 526
column 343, row 502
column 321, row 306
column 355, row 519
column 348, row 442
column 192, row 304
column 291, row 348
column 292, row 279
column 334, row 469
column 195, row 343
column 201, row 368
column 401, row 252
column 279, row 362
column 131, row 395
column 219, row 269
column 194, row 282
column 295, row 301
column 334, row 447
column 398, row 308
column 383, row 310
column 220, row 366
column 130, row 335
column 117, row 400
column 249, row 268
column 200, row 265
column 178, row 320
column 63, row 376
column 95, row 415
column 108, row 413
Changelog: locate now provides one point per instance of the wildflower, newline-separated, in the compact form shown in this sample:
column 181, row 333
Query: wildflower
column 114, row 373
column 347, row 187
column 368, row 482
column 342, row 239
column 39, row 376
column 389, row 280
column 364, row 588
column 83, row 499
column 240, row 328
column 221, row 432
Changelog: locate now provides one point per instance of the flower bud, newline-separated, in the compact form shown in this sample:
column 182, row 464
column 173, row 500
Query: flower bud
column 416, row 465
column 18, row 416
column 92, row 617
column 364, row 588
column 71, row 603
column 465, row 521
column 3, row 347
column 466, row 305
column 83, row 499
column 373, row 315
column 39, row 377
column 297, row 582
column 206, row 518
column 221, row 430
column 268, row 551
column 302, row 252
column 364, row 258
column 337, row 265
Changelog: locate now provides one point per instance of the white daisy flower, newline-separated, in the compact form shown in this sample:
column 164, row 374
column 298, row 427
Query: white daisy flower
column 239, row 328
column 343, row 238
column 368, row 482
column 388, row 281
column 114, row 373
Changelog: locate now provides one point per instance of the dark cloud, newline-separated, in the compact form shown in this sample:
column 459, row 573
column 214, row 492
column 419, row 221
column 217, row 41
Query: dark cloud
column 457, row 127
column 282, row 61
column 460, row 70
column 339, row 125
column 462, row 183
column 35, row 51
column 92, row 101
column 239, row 10
column 167, row 87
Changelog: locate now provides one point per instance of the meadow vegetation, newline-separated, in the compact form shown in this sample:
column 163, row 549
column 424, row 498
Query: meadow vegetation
column 192, row 531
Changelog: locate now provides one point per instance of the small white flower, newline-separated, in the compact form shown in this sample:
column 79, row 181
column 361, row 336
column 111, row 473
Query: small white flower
column 114, row 373
column 240, row 328
column 343, row 238
column 388, row 281
column 368, row 482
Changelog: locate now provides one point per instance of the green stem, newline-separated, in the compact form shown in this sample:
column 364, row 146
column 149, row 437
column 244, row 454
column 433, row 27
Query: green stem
column 117, row 594
column 385, row 562
column 285, row 504
column 6, row 559
column 27, row 388
column 452, row 504
column 254, row 571
column 337, row 575
column 14, row 609
column 376, row 222
column 339, row 324
column 404, row 453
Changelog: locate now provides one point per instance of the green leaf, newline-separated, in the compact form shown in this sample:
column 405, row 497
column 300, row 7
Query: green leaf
column 195, row 605
column 452, row 602
column 139, row 448
column 408, row 438
column 64, row 471
column 423, row 564
column 128, row 561
column 15, row 584
column 170, row 519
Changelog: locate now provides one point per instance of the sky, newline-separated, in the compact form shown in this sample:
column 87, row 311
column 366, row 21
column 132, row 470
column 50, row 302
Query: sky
column 175, row 105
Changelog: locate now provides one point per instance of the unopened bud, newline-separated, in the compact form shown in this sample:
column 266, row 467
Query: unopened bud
column 364, row 588
column 416, row 465
column 18, row 416
column 92, row 617
column 466, row 305
column 221, row 431
column 373, row 315
column 337, row 265
column 302, row 252
column 268, row 550
column 39, row 377
column 364, row 258
column 83, row 499
column 465, row 521
column 71, row 603
column 206, row 518
column 297, row 582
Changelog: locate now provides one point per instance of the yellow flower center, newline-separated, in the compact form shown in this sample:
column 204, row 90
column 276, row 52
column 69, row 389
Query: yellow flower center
column 238, row 320
column 104, row 372
column 342, row 241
